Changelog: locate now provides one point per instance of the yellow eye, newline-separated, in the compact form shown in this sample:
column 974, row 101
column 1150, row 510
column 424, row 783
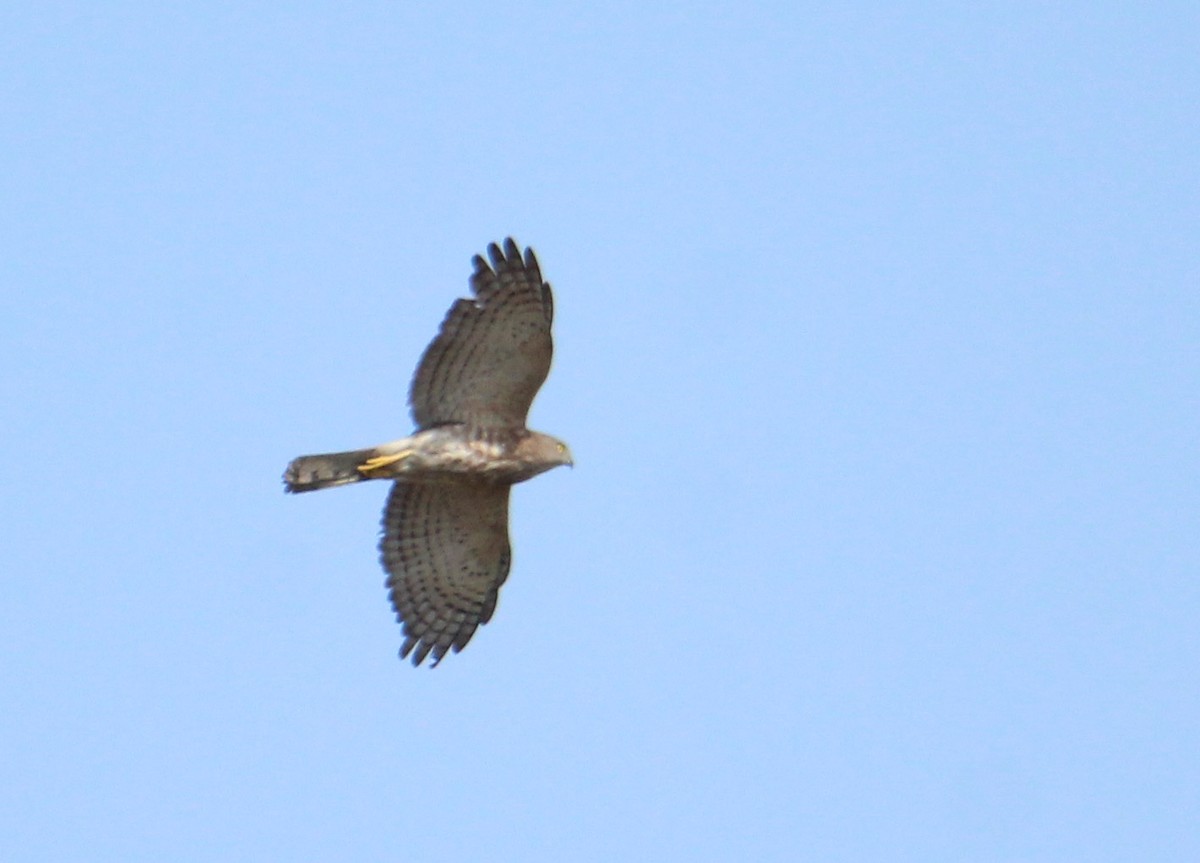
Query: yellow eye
column 562, row 447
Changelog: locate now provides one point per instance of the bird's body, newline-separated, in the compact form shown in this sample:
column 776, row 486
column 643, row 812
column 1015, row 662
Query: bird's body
column 445, row 527
column 439, row 455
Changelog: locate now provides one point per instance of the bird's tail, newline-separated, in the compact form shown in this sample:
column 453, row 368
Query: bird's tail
column 312, row 472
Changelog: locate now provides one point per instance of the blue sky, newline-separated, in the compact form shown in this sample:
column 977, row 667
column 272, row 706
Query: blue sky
column 877, row 350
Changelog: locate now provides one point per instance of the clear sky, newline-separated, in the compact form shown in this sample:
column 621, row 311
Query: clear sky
column 878, row 348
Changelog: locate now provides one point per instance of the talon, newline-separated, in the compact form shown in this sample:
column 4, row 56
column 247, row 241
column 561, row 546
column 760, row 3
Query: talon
column 381, row 461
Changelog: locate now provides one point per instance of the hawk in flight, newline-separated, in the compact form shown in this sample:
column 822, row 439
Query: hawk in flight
column 445, row 527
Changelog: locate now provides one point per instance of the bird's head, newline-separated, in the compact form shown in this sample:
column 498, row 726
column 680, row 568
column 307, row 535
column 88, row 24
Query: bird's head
column 548, row 452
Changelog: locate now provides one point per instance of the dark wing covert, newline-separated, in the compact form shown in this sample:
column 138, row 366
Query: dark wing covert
column 445, row 548
column 493, row 352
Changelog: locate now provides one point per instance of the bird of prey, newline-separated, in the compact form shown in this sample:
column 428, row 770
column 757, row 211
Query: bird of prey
column 445, row 544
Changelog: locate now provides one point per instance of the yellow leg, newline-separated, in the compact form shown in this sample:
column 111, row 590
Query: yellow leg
column 382, row 461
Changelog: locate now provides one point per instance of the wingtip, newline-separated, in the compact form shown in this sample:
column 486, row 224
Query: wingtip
column 497, row 256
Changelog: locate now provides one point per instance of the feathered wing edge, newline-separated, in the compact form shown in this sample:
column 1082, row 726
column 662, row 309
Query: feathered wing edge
column 446, row 551
column 511, row 284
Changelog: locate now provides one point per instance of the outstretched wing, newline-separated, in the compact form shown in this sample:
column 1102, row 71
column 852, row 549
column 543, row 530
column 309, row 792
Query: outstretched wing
column 493, row 352
column 445, row 548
